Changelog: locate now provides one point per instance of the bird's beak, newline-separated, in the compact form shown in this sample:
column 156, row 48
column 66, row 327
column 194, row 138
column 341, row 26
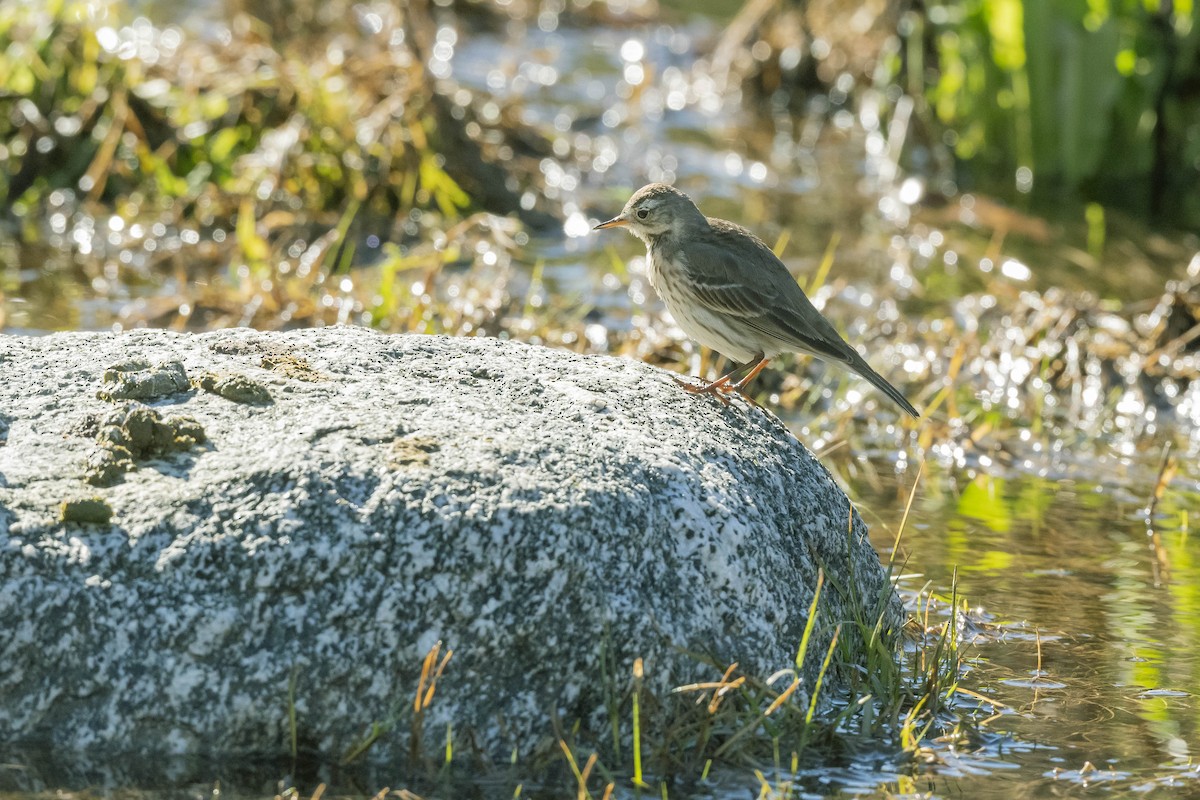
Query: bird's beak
column 615, row 222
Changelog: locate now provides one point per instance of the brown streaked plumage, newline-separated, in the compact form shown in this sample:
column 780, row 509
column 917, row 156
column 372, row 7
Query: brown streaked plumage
column 728, row 291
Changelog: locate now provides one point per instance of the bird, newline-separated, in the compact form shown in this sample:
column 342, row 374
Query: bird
column 728, row 291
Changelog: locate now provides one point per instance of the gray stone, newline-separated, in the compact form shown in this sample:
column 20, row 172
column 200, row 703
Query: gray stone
column 532, row 509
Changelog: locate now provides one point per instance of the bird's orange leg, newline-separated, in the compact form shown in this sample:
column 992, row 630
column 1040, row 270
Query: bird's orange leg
column 724, row 385
column 751, row 375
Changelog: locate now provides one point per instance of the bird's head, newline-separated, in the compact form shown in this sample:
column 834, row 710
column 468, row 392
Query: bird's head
column 656, row 210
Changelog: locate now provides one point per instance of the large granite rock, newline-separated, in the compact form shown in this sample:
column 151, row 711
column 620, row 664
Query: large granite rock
column 205, row 534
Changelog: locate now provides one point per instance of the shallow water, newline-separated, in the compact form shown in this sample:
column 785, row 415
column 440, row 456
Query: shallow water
column 1086, row 627
column 1087, row 636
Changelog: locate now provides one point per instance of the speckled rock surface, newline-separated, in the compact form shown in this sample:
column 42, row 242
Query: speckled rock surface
column 526, row 506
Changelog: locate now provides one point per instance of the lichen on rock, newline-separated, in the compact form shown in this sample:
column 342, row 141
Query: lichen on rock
column 136, row 379
column 292, row 366
column 235, row 387
column 94, row 510
column 134, row 433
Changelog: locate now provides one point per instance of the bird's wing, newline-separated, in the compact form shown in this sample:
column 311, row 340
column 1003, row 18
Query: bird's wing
column 733, row 272
column 751, row 283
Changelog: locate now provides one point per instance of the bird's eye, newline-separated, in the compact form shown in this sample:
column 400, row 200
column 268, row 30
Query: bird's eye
column 643, row 213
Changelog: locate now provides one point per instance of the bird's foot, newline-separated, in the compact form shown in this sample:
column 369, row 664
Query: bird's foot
column 721, row 389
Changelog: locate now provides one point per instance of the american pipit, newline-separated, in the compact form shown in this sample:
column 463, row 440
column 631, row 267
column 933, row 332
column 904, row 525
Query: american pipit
column 728, row 291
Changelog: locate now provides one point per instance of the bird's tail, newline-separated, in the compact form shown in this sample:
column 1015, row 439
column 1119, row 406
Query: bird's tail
column 864, row 369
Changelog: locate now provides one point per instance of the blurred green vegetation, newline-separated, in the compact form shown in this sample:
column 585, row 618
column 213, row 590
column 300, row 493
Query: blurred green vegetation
column 1090, row 96
column 250, row 161
column 252, row 137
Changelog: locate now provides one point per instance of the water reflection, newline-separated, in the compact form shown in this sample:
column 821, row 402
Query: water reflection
column 1095, row 661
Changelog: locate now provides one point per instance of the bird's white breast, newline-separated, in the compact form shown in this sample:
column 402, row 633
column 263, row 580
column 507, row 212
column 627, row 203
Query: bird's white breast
column 709, row 328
